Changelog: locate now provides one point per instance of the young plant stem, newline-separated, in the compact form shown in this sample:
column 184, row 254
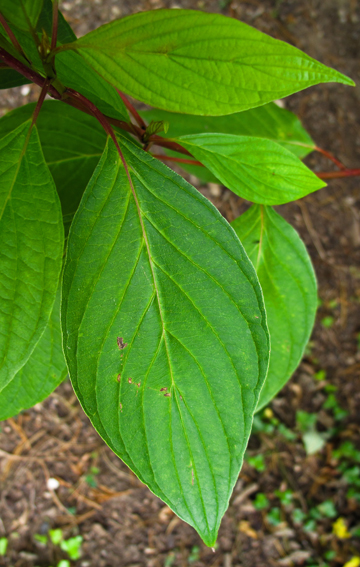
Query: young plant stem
column 12, row 37
column 33, row 76
column 132, row 110
column 54, row 29
column 40, row 101
column 177, row 160
column 330, row 157
column 339, row 174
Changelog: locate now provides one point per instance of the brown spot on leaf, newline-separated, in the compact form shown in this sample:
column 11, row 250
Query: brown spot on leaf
column 118, row 377
column 138, row 384
column 121, row 407
column 130, row 380
column 167, row 395
column 163, row 389
column 121, row 343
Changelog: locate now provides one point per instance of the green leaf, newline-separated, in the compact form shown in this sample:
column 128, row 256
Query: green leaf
column 288, row 282
column 268, row 121
column 40, row 375
column 72, row 143
column 198, row 63
column 255, row 168
column 31, row 235
column 157, row 289
column 10, row 78
column 23, row 14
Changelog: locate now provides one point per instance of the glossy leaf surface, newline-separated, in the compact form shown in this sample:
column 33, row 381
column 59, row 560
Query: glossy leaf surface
column 40, row 375
column 164, row 332
column 288, row 282
column 31, row 235
column 198, row 63
column 255, row 168
column 72, row 143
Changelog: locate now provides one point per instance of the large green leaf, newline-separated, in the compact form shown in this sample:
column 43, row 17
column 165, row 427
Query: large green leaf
column 23, row 14
column 31, row 236
column 72, row 143
column 198, row 63
column 268, row 121
column 257, row 169
column 155, row 269
column 288, row 282
column 40, row 375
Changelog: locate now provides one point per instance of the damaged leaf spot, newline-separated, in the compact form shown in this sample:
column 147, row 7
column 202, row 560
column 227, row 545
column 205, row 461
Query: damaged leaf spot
column 130, row 380
column 118, row 377
column 120, row 343
column 163, row 389
column 121, row 407
column 167, row 395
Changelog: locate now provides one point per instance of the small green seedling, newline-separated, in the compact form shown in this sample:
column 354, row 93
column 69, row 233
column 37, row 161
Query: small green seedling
column 3, row 545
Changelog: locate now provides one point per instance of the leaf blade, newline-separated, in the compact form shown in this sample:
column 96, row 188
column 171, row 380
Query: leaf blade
column 32, row 245
column 143, row 232
column 22, row 13
column 257, row 169
column 289, row 285
column 41, row 374
column 223, row 67
column 72, row 143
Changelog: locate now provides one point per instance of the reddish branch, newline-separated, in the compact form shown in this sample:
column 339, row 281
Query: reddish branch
column 177, row 160
column 132, row 110
column 11, row 35
column 330, row 157
column 40, row 101
column 54, row 29
column 339, row 174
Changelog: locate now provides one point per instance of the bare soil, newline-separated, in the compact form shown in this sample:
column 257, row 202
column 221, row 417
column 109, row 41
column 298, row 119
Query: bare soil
column 121, row 522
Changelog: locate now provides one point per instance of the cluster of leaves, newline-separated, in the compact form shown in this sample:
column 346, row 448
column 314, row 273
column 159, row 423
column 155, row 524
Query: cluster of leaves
column 163, row 319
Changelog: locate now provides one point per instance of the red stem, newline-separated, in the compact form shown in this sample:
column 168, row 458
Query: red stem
column 339, row 174
column 330, row 157
column 40, row 101
column 166, row 143
column 132, row 111
column 26, row 72
column 54, row 29
column 11, row 35
column 177, row 160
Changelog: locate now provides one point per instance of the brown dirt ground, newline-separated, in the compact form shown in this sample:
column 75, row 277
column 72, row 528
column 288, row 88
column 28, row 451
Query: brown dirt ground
column 120, row 521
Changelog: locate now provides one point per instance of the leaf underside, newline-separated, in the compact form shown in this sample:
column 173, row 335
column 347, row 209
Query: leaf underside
column 31, row 236
column 288, row 282
column 198, row 63
column 155, row 268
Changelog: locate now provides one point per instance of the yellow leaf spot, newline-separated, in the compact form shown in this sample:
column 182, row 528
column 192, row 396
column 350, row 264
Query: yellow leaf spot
column 354, row 562
column 340, row 529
